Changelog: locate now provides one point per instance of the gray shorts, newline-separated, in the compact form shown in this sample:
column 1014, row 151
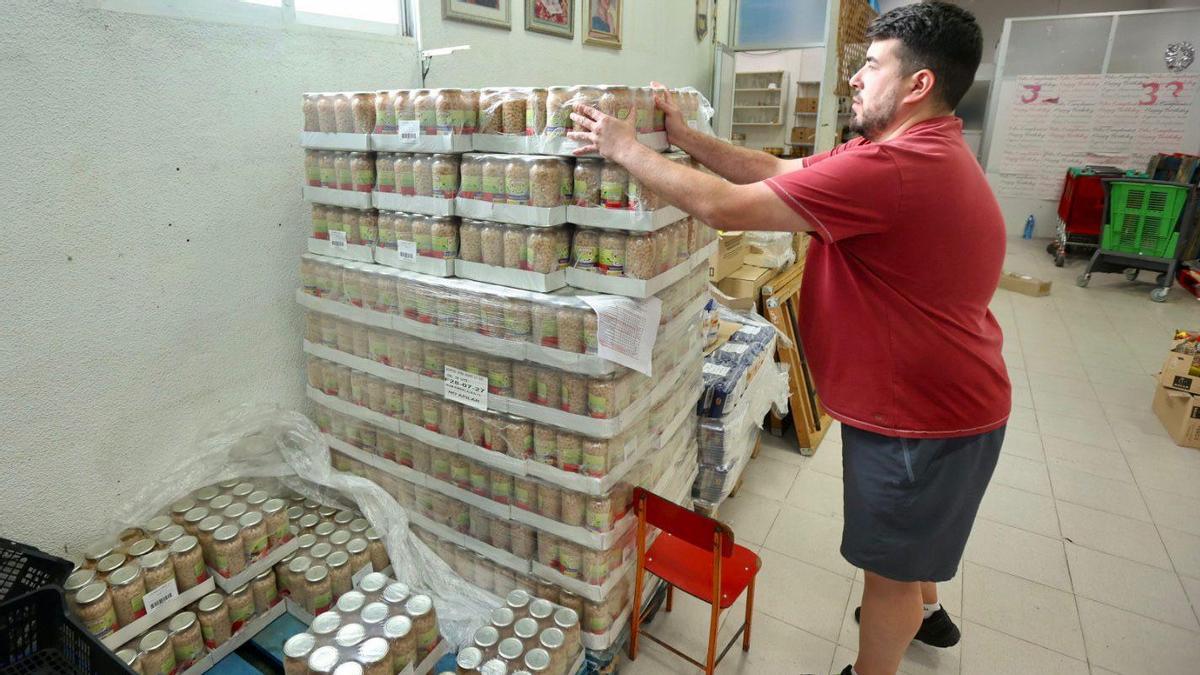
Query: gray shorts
column 910, row 503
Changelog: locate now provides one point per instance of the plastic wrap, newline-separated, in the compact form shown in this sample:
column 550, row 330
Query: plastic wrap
column 771, row 249
column 259, row 442
column 638, row 255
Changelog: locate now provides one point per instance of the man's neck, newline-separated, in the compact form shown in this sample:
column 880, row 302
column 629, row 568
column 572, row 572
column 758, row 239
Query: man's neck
column 906, row 123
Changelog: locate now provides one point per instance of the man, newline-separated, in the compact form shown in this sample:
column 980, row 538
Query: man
column 907, row 252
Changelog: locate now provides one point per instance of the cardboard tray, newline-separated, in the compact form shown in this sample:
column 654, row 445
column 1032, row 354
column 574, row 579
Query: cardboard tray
column 503, row 276
column 624, row 219
column 249, row 630
column 535, row 216
column 331, row 141
column 546, row 145
column 434, row 267
column 356, row 252
column 431, row 206
column 638, row 288
column 165, row 611
column 582, row 588
column 347, row 198
column 235, row 582
column 453, row 143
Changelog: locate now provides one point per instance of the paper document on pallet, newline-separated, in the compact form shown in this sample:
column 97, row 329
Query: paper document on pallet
column 626, row 329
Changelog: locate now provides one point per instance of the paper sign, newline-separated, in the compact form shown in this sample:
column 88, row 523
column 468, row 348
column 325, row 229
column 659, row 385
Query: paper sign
column 160, row 596
column 750, row 330
column 715, row 369
column 337, row 238
column 406, row 250
column 626, row 329
column 408, row 130
column 358, row 576
column 466, row 388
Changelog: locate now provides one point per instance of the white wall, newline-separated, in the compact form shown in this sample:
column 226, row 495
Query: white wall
column 154, row 223
column 800, row 64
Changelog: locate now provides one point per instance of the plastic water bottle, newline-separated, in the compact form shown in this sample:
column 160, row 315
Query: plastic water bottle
column 1028, row 227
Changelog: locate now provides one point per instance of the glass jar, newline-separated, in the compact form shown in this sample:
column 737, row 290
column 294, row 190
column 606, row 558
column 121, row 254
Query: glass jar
column 640, row 259
column 574, row 394
column 444, row 236
column 255, row 537
column 517, row 320
column 385, row 112
column 342, row 171
column 240, row 603
column 574, row 508
column 616, row 101
column 312, row 168
column 128, row 589
column 516, row 180
column 292, row 579
column 614, row 183
column 450, row 111
column 644, row 107
column 600, row 515
column 326, row 118
column 558, row 112
column 156, row 569
column 425, row 108
column 470, row 111
column 296, row 651
column 94, row 606
column 525, row 493
column 591, row 333
column 570, row 559
column 537, row 661
column 323, row 660
column 535, row 111
column 76, row 582
column 610, row 257
column 499, row 376
column 265, row 591
column 420, row 609
column 229, row 554
column 188, row 562
column 187, row 640
column 547, row 550
column 276, row 521
column 512, row 113
column 570, row 329
column 214, row 620
column 374, row 655
column 398, row 631
column 402, row 107
column 318, row 594
column 489, row 120
column 157, row 654
column 343, row 114
column 312, row 116
column 492, row 181
column 444, row 170
column 422, row 170
column 588, row 182
column 569, row 451
column 339, row 573
column 362, row 108
column 402, row 168
column 360, row 556
column 327, row 167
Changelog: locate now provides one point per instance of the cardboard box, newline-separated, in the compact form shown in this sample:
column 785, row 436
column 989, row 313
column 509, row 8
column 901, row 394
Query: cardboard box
column 1179, row 413
column 1181, row 372
column 806, row 104
column 803, row 134
column 731, row 252
column 745, row 282
column 1024, row 284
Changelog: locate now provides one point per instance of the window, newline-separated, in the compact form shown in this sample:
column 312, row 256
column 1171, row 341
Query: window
column 379, row 17
column 779, row 24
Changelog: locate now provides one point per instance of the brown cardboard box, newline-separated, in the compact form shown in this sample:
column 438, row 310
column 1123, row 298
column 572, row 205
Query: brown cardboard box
column 731, row 251
column 803, row 134
column 1179, row 413
column 806, row 104
column 1179, row 372
column 1025, row 284
column 745, row 282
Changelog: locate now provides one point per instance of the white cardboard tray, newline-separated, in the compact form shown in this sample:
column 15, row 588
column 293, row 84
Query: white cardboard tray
column 433, row 206
column 242, row 578
column 600, row 541
column 638, row 288
column 332, row 141
column 249, row 630
column 356, row 252
column 454, row 143
column 165, row 611
column 503, row 276
column 580, row 587
column 347, row 198
column 546, row 145
column 436, row 267
column 624, row 219
column 389, row 467
column 536, row 216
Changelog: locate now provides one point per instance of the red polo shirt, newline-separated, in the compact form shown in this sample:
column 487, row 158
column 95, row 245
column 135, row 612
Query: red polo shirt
column 907, row 251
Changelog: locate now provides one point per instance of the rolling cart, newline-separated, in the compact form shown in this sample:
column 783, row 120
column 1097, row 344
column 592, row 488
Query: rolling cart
column 1146, row 223
column 1081, row 210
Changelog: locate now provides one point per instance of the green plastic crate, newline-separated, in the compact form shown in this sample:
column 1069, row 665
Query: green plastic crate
column 1142, row 218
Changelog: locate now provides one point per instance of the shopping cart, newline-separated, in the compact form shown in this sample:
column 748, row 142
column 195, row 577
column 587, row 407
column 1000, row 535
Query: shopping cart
column 1081, row 210
column 1146, row 221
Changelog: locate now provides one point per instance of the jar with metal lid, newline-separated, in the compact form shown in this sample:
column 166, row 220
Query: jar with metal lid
column 425, row 108
column 343, row 114
column 470, row 176
column 488, row 120
column 94, row 605
column 240, row 603
column 318, row 594
column 567, row 621
column 74, row 583
column 265, row 591
column 518, row 601
column 362, row 168
column 402, row 106
column 158, row 656
column 450, row 111
column 326, row 626
column 312, row 115
column 570, row 328
column 187, row 560
column 350, row 635
column 468, row 661
column 156, row 569
column 570, row 451
column 255, row 538
column 228, row 553
column 276, row 522
column 109, row 564
column 616, row 101
column 327, row 169
column 516, row 238
column 339, row 573
column 131, row 657
column 422, row 171
column 319, row 552
column 542, row 251
column 362, row 109
column 524, row 493
column 403, row 170
column 470, row 111
column 420, row 609
column 376, row 550
column 574, row 508
column 385, row 112
column 214, row 620
column 571, row 601
column 187, row 640
column 444, row 176
column 549, row 498
column 373, row 655
column 614, row 183
column 292, row 578
column 492, row 186
column 343, row 171
column 640, row 258
column 591, row 333
column 596, row 457
column 516, row 180
column 486, row 639
column 499, row 375
column 443, row 232
column 558, row 112
column 296, row 651
column 323, row 530
column 180, row 508
column 588, row 182
column 525, row 630
column 535, row 111
column 141, row 547
column 402, row 642
column 512, row 112
column 323, row 660
column 611, row 254
column 309, row 521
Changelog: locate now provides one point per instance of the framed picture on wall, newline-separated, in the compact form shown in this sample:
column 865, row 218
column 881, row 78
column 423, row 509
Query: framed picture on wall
column 487, row 12
column 701, row 19
column 552, row 17
column 603, row 27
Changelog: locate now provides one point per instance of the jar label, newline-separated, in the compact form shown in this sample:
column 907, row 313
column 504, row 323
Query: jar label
column 569, row 458
column 441, row 465
column 645, row 118
column 595, row 569
column 406, row 182
column 443, row 247
column 460, row 474
column 445, row 186
column 387, row 181
column 221, row 563
column 450, row 121
column 502, row 491
column 328, row 176
column 240, row 612
column 585, row 257
column 469, row 186
column 199, row 571
column 387, row 239
column 518, row 191
column 498, row 382
column 523, row 496
column 599, row 517
column 210, row 638
column 345, row 178
column 430, row 418
column 569, row 560
column 256, row 547
column 594, row 465
column 598, row 405
column 635, row 194
column 367, row 234
column 493, row 186
column 427, row 118
column 319, row 602
column 313, row 175
column 186, row 654
column 611, row 261
column 479, row 484
column 103, row 625
column 613, row 193
column 364, row 179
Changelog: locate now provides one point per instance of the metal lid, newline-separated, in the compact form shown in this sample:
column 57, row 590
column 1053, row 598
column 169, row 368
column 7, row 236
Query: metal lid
column 265, row 575
column 76, row 562
column 184, row 544
column 418, row 605
column 182, row 621
column 326, row 511
column 229, row 484
column 494, row 667
column 373, row 650
column 299, row 645
column 211, row 524
column 349, row 668
column 537, row 660
column 566, row 618
column 211, row 602
column 91, row 593
column 220, row 503
column 323, row 659
column 351, row 601
column 339, row 538
column 486, row 637
column 326, row 624
column 324, row 529
column 183, row 505
column 397, row 627
column 316, row 574
column 295, row 512
column 78, row 580
column 242, row 490
column 510, row 649
column 226, row 533
column 141, row 547
column 299, row 564
column 271, row 505
column 310, row 505
column 207, row 493
column 541, row 609
column 110, row 563
column 396, row 593
column 306, row 541
column 171, row 534
column 343, row 517
column 469, row 658
column 321, row 551
column 335, row 559
column 372, row 535
column 356, row 546
column 127, row 656
column 153, row 640
column 525, row 628
column 359, row 525
column 240, row 591
column 196, row 515
column 517, row 599
column 350, row 635
column 158, row 524
column 502, row 617
column 257, row 497
column 295, row 497
column 309, row 521
column 234, row 511
column 153, row 559
column 372, row 583
column 552, row 639
column 250, row 519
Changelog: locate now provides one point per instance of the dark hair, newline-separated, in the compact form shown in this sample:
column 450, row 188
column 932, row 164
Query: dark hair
column 939, row 36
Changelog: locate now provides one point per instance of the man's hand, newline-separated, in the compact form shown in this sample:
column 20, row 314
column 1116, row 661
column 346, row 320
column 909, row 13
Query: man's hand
column 607, row 135
column 676, row 125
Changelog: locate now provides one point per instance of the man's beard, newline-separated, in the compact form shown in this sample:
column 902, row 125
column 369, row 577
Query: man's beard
column 871, row 125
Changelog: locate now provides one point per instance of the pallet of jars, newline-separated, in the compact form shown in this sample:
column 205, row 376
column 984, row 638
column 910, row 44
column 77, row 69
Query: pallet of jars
column 527, row 632
column 422, row 120
column 606, row 196
column 558, row 329
column 377, row 617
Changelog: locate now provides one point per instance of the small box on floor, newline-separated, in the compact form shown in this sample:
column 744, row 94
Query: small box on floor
column 745, row 282
column 1024, row 284
column 1181, row 370
column 731, row 251
column 1179, row 413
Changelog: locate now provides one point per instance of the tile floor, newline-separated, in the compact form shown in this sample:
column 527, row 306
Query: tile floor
column 1086, row 554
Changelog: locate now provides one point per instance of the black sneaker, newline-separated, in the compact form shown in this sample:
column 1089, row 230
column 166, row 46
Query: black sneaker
column 849, row 670
column 936, row 631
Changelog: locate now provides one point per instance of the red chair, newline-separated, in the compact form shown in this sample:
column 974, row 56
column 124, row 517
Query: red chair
column 698, row 556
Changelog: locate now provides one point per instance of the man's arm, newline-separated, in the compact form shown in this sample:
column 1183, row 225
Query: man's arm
column 739, row 165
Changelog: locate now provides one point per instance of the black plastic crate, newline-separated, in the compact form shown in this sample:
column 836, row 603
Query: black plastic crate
column 37, row 637
column 24, row 569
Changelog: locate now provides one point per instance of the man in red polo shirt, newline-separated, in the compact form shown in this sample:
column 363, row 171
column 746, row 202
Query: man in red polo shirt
column 907, row 252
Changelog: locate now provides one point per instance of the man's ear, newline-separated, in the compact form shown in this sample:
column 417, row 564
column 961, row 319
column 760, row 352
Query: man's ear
column 921, row 85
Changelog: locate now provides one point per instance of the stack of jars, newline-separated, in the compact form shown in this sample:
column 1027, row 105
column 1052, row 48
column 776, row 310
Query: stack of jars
column 526, row 634
column 522, row 180
column 381, row 626
column 638, row 255
column 517, row 247
column 340, row 170
column 604, row 183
